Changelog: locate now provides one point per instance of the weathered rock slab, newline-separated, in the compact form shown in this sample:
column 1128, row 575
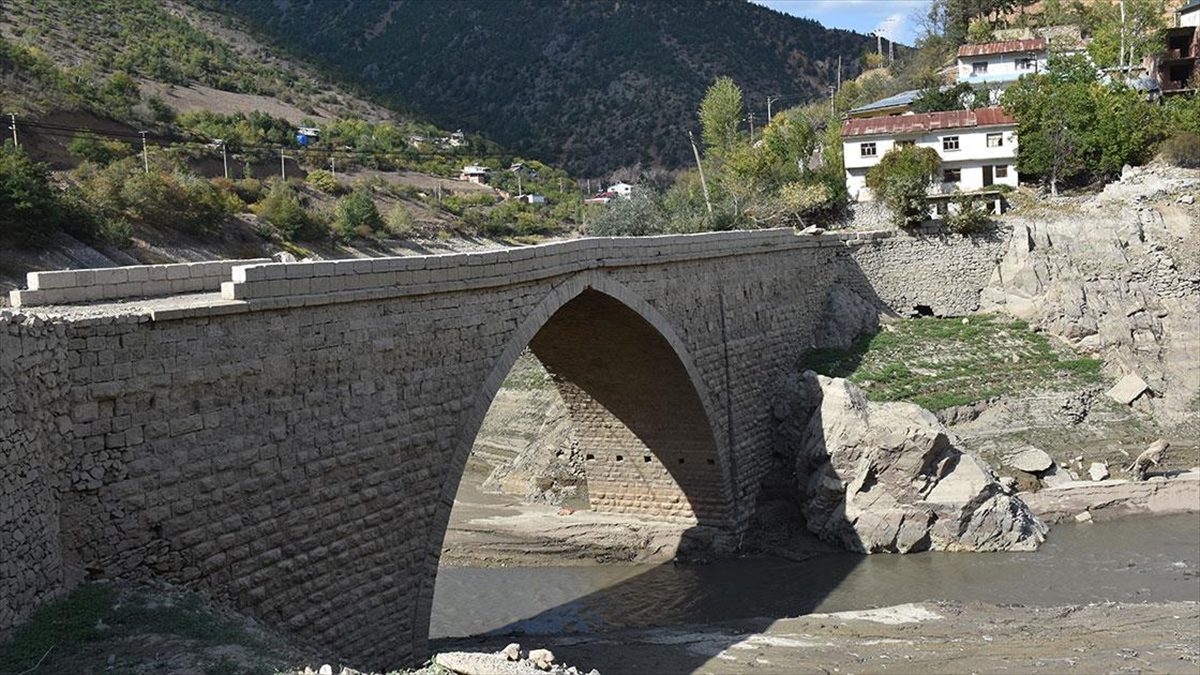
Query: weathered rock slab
column 1127, row 389
column 884, row 477
column 1030, row 460
column 1110, row 499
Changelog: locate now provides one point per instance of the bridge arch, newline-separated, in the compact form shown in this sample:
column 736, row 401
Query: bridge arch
column 620, row 365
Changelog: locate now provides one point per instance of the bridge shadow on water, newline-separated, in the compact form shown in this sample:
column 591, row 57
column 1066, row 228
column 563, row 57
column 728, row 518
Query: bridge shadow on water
column 668, row 618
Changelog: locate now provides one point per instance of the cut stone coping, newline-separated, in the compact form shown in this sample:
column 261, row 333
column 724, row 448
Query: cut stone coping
column 261, row 285
column 64, row 287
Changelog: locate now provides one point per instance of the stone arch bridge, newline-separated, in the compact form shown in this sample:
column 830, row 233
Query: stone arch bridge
column 293, row 442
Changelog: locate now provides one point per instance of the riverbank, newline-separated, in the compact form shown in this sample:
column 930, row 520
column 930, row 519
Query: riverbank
column 925, row 637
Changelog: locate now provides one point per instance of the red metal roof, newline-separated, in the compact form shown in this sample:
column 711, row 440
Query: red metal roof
column 923, row 122
column 1006, row 47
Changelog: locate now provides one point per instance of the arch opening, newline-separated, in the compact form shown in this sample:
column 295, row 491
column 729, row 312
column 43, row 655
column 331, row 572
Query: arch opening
column 638, row 421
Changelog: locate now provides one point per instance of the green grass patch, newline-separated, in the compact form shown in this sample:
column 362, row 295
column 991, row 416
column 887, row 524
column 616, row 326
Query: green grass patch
column 941, row 363
column 95, row 620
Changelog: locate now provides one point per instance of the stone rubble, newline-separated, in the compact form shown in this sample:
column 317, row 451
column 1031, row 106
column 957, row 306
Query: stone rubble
column 885, row 477
column 1030, row 460
column 1098, row 471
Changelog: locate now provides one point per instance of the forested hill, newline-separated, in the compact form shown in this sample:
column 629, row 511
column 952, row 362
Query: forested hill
column 588, row 84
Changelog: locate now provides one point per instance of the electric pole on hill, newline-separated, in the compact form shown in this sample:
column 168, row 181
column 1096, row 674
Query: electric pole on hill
column 282, row 166
column 700, row 168
column 770, row 100
column 751, row 118
column 145, row 153
column 225, row 160
column 13, row 117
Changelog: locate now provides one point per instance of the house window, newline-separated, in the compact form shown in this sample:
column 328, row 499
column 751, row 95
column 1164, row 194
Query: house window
column 995, row 140
column 950, row 144
column 979, row 68
column 867, row 150
column 951, row 175
column 1025, row 64
column 1001, row 171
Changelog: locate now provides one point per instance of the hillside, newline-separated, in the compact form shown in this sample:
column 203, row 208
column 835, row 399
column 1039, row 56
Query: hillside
column 591, row 85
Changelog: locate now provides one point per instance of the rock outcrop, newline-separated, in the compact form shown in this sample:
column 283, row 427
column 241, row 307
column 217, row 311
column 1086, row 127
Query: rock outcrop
column 1117, row 275
column 885, row 477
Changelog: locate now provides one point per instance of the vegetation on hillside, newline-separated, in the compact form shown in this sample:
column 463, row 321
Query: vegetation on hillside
column 589, row 85
column 939, row 363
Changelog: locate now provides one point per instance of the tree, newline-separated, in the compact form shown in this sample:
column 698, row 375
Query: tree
column 720, row 115
column 28, row 202
column 1118, row 42
column 901, row 180
column 356, row 214
column 637, row 216
column 1054, row 120
column 937, row 98
column 790, row 138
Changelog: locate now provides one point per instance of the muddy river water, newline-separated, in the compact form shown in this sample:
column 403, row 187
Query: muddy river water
column 1132, row 560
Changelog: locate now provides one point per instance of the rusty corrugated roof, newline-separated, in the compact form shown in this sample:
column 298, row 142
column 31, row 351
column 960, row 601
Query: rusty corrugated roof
column 924, row 122
column 1006, row 47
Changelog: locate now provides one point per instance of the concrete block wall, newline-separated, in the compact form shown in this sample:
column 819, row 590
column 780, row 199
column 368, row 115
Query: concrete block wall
column 64, row 287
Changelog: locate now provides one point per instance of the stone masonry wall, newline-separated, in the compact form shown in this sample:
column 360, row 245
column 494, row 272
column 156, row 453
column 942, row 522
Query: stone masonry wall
column 945, row 272
column 295, row 447
column 33, row 364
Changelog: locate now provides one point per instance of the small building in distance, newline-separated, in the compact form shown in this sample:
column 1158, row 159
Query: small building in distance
column 475, row 174
column 977, row 147
column 896, row 104
column 531, row 199
column 1002, row 63
column 621, row 189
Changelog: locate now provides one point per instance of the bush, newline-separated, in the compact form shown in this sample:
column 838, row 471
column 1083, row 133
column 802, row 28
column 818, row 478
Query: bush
column 356, row 211
column 167, row 197
column 29, row 204
column 90, row 147
column 634, row 217
column 282, row 208
column 324, row 181
column 901, row 180
column 969, row 218
column 398, row 222
column 1182, row 150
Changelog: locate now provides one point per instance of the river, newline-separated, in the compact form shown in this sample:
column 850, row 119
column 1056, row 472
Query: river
column 1131, row 560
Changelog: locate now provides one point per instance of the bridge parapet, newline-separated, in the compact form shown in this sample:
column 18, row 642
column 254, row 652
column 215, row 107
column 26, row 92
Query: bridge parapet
column 277, row 285
column 64, row 287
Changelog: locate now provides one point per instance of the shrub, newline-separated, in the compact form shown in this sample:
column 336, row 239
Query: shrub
column 801, row 199
column 324, row 181
column 29, row 204
column 398, row 222
column 90, row 147
column 1182, row 150
column 167, row 196
column 634, row 217
column 357, row 210
column 282, row 208
column 969, row 218
column 901, row 180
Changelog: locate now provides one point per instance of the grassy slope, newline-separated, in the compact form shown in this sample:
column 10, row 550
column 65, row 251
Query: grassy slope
column 939, row 363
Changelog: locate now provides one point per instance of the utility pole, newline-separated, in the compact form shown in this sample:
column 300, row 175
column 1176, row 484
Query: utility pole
column 751, row 118
column 519, row 192
column 879, row 43
column 770, row 100
column 891, row 52
column 145, row 153
column 832, row 112
column 333, row 166
column 13, row 117
column 225, row 159
column 282, row 166
column 700, row 168
column 839, row 80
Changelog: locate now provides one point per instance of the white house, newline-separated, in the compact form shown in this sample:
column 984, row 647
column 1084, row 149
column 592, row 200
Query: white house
column 1002, row 63
column 977, row 147
column 474, row 174
column 623, row 190
column 1188, row 15
column 531, row 199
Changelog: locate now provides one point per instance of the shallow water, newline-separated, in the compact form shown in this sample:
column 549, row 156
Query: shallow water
column 1131, row 560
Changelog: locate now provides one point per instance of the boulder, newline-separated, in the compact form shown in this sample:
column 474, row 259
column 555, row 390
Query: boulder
column 1098, row 471
column 1128, row 389
column 884, row 477
column 847, row 315
column 512, row 651
column 1030, row 460
column 542, row 658
column 1056, row 477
